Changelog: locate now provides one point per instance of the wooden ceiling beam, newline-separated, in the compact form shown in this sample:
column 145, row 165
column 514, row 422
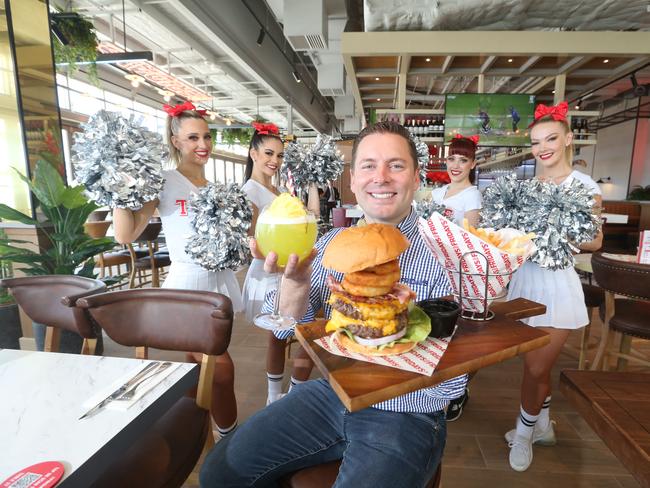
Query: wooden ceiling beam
column 528, row 63
column 446, row 64
column 498, row 43
column 487, row 64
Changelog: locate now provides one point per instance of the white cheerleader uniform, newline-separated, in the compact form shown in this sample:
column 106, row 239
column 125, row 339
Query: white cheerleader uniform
column 257, row 283
column 184, row 273
column 468, row 199
column 560, row 290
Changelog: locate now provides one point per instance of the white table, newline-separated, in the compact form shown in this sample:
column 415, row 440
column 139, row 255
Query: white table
column 353, row 213
column 42, row 396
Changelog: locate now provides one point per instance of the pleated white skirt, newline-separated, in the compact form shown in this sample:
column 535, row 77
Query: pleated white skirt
column 256, row 285
column 189, row 276
column 560, row 291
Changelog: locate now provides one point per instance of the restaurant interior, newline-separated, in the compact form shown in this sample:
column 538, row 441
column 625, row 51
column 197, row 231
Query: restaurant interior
column 81, row 313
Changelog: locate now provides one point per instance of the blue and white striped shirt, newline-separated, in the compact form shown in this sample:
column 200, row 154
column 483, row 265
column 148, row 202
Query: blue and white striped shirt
column 423, row 274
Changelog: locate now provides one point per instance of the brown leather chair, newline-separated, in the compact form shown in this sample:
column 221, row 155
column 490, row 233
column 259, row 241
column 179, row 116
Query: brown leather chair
column 624, row 317
column 324, row 476
column 179, row 320
column 50, row 300
column 147, row 258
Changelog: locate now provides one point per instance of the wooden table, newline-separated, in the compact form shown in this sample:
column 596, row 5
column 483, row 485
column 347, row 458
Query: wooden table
column 617, row 407
column 475, row 345
column 42, row 395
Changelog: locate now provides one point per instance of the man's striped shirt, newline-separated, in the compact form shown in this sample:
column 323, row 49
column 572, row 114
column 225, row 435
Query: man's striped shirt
column 423, row 274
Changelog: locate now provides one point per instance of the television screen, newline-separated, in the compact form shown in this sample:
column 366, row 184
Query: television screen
column 499, row 119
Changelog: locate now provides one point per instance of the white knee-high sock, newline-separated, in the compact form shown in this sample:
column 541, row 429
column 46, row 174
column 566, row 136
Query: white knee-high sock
column 544, row 419
column 526, row 424
column 224, row 431
column 294, row 382
column 274, row 383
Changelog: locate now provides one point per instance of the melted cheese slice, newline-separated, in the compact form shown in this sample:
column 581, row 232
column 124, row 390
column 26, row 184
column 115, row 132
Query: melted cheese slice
column 338, row 321
column 380, row 311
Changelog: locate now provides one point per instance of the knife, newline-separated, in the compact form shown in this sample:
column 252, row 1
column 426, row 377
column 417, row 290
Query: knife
column 143, row 372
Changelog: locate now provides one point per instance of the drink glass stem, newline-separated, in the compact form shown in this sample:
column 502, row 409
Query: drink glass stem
column 276, row 301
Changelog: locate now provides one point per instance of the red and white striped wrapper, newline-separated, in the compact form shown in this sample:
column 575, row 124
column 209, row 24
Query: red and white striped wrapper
column 449, row 242
column 422, row 359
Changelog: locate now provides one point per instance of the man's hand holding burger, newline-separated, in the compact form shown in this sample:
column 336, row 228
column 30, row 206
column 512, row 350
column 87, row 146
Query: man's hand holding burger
column 295, row 283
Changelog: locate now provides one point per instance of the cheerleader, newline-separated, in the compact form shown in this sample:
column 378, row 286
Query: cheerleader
column 560, row 290
column 461, row 198
column 264, row 160
column 190, row 145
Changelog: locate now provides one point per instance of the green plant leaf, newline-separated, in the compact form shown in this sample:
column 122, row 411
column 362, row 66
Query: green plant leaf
column 48, row 184
column 87, row 269
column 74, row 197
column 8, row 213
column 24, row 258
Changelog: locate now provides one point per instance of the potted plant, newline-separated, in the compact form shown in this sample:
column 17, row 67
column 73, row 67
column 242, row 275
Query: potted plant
column 74, row 41
column 639, row 193
column 10, row 331
column 68, row 249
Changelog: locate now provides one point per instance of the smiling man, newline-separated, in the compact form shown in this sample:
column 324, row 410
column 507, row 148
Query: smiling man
column 395, row 443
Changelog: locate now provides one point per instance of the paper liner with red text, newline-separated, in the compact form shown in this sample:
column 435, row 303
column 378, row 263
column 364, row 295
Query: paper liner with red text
column 449, row 242
column 422, row 359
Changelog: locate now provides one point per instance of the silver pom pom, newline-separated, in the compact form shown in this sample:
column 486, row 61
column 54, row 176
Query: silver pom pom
column 561, row 216
column 422, row 150
column 318, row 164
column 426, row 208
column 119, row 161
column 220, row 216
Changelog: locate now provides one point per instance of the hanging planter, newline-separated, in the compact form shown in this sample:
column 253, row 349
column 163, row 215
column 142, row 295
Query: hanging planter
column 74, row 42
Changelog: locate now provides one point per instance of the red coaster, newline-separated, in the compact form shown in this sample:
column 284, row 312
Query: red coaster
column 41, row 475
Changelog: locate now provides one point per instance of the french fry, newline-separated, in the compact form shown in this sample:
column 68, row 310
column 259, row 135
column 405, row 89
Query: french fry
column 516, row 245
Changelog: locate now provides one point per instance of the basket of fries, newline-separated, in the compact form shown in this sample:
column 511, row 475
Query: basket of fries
column 479, row 262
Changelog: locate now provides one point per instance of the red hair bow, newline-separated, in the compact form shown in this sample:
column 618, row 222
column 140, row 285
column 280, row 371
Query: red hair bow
column 558, row 112
column 474, row 139
column 266, row 129
column 183, row 107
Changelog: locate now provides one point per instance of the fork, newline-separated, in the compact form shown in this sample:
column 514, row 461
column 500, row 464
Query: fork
column 130, row 393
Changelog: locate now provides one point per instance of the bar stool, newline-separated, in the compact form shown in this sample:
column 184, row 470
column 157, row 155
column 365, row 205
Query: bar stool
column 594, row 298
column 149, row 258
column 625, row 317
column 106, row 260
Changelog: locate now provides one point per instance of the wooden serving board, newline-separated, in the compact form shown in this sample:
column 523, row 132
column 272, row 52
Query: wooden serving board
column 475, row 345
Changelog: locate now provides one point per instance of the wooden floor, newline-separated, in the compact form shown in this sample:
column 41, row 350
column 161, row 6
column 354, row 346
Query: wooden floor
column 476, row 455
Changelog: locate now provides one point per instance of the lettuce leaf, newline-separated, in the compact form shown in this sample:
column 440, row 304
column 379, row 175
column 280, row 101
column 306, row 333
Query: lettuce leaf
column 417, row 329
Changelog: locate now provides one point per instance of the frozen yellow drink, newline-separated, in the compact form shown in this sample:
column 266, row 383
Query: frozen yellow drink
column 285, row 227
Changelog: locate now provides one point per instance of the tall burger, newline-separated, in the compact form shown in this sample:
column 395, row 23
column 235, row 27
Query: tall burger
column 369, row 306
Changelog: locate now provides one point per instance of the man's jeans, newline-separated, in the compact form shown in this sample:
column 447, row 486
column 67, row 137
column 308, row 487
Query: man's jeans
column 310, row 426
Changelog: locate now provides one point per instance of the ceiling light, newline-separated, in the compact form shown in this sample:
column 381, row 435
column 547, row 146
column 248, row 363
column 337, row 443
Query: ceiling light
column 605, row 60
column 134, row 79
column 296, row 76
column 260, row 37
column 166, row 94
column 228, row 122
column 376, row 78
column 510, row 60
column 553, row 91
column 212, row 115
column 577, row 107
column 428, row 59
column 379, row 99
